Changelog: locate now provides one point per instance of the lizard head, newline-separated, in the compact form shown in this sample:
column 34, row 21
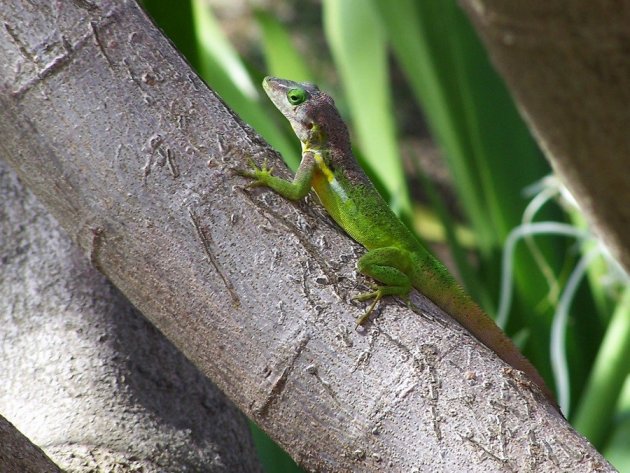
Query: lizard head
column 311, row 112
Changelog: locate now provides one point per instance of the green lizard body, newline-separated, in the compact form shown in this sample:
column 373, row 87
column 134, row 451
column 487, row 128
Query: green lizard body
column 395, row 257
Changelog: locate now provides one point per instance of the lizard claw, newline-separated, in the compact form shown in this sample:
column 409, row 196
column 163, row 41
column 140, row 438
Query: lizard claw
column 377, row 295
column 253, row 184
column 361, row 319
column 366, row 296
column 259, row 174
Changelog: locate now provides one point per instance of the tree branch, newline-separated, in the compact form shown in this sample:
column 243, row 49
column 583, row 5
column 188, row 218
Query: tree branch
column 132, row 154
column 85, row 376
column 17, row 453
column 567, row 65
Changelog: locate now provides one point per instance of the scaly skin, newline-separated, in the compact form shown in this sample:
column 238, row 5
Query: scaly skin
column 395, row 257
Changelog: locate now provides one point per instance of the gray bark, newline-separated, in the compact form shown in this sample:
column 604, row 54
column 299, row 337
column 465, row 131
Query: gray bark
column 17, row 453
column 567, row 64
column 85, row 376
column 132, row 154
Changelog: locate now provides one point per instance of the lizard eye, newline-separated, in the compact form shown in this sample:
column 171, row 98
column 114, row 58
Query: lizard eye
column 296, row 96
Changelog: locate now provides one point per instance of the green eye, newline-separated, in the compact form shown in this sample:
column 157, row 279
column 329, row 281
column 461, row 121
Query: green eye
column 296, row 96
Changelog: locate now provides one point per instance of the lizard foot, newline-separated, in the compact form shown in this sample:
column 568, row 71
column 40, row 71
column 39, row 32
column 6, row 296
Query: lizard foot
column 259, row 174
column 377, row 294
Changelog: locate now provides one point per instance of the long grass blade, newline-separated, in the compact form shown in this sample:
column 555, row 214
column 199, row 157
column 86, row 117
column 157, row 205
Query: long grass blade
column 282, row 57
column 223, row 70
column 610, row 371
column 359, row 50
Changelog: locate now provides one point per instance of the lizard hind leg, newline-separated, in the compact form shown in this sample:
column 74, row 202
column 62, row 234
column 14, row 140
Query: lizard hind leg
column 390, row 266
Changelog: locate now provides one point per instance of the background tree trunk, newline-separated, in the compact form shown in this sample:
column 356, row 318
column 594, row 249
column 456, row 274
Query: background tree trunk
column 17, row 453
column 568, row 66
column 132, row 154
column 85, row 376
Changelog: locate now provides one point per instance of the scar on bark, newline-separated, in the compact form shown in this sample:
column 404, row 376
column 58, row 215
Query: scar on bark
column 206, row 241
column 280, row 383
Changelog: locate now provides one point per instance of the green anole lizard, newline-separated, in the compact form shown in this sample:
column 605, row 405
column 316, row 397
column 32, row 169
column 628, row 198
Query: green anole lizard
column 395, row 257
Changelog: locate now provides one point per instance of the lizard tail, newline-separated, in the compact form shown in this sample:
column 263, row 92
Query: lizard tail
column 435, row 282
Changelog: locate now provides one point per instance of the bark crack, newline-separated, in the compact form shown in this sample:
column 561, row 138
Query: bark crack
column 207, row 243
column 279, row 384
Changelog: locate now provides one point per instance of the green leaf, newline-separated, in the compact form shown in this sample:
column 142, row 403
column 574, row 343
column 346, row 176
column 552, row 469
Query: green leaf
column 283, row 59
column 223, row 70
column 359, row 50
column 272, row 457
column 610, row 371
column 175, row 19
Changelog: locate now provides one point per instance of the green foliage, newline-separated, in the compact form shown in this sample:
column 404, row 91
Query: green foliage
column 224, row 71
column 596, row 412
column 281, row 56
column 272, row 457
column 359, row 49
column 616, row 448
column 491, row 157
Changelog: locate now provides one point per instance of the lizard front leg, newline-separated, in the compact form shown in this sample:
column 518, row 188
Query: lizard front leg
column 390, row 266
column 292, row 190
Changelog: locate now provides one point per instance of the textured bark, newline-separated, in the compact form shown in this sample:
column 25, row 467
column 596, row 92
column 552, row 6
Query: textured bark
column 568, row 65
column 85, row 376
column 17, row 453
column 132, row 154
